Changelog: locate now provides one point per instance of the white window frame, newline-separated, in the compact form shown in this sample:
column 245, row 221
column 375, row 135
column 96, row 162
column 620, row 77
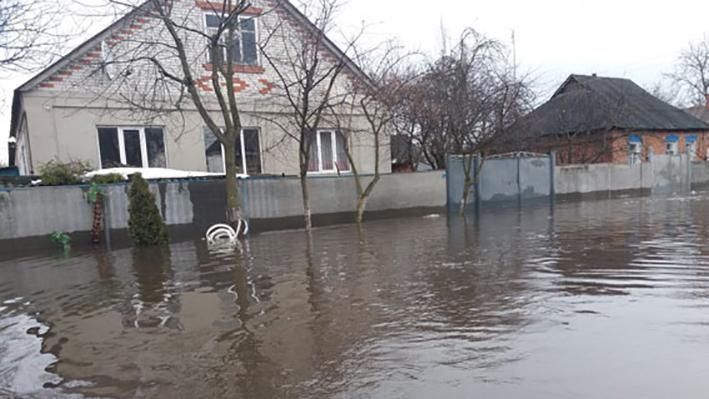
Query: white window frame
column 671, row 148
column 635, row 156
column 241, row 46
column 318, row 146
column 122, row 144
column 692, row 151
column 244, row 170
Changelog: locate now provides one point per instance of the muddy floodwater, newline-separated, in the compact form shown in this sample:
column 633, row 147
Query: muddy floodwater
column 597, row 299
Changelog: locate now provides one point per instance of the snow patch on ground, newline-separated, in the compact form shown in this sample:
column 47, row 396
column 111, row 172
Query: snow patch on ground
column 156, row 173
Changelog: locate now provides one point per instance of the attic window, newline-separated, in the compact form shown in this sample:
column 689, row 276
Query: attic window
column 245, row 49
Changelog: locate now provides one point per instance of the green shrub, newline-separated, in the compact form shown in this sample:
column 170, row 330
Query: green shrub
column 55, row 173
column 60, row 239
column 145, row 224
column 110, row 178
column 93, row 193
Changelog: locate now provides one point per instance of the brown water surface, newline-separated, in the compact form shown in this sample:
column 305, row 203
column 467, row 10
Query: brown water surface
column 602, row 299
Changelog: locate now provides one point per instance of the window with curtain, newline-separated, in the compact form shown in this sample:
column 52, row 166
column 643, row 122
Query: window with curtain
column 328, row 152
column 248, row 152
column 245, row 50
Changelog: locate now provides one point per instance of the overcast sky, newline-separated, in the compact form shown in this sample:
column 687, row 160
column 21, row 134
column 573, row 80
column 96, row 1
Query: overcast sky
column 635, row 39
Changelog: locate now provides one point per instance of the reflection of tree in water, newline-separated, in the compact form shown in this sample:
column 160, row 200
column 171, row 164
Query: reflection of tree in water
column 154, row 304
column 241, row 369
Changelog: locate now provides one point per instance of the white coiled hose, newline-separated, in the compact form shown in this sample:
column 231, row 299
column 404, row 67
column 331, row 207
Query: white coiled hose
column 223, row 232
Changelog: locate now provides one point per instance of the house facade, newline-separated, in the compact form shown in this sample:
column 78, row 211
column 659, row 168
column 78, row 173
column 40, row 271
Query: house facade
column 111, row 102
column 592, row 119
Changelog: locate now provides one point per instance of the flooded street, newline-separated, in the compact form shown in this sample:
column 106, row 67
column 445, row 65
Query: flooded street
column 597, row 299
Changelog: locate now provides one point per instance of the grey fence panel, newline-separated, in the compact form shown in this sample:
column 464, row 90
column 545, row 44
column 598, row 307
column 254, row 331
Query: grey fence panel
column 499, row 180
column 513, row 178
column 671, row 173
column 534, row 177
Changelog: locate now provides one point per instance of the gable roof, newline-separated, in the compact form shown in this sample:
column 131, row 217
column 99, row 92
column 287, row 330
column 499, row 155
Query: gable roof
column 95, row 41
column 591, row 103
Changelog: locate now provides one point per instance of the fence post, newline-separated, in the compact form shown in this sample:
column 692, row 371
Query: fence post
column 552, row 173
column 519, row 178
column 477, row 173
column 689, row 172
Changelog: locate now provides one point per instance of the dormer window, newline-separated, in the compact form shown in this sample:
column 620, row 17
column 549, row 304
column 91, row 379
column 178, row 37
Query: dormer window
column 245, row 50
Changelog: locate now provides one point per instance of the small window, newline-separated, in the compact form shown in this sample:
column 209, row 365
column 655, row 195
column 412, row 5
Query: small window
column 156, row 147
column 245, row 51
column 692, row 151
column 248, row 152
column 690, row 141
column 634, row 152
column 671, row 148
column 328, row 152
column 250, row 147
column 214, row 152
column 108, row 145
column 130, row 146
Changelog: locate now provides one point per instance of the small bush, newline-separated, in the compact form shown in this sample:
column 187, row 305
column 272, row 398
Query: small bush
column 60, row 239
column 55, row 173
column 110, row 178
column 145, row 224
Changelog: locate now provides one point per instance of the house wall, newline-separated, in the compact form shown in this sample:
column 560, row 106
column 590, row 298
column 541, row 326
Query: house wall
column 64, row 110
column 23, row 159
column 612, row 147
column 64, row 129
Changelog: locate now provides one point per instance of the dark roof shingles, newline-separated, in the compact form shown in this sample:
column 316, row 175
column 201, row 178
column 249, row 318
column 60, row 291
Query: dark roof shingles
column 590, row 103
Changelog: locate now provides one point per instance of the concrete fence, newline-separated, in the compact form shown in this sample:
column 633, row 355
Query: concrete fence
column 663, row 174
column 191, row 206
column 195, row 205
column 524, row 177
column 517, row 177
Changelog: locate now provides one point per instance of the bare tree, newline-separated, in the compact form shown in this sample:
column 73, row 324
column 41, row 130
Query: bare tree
column 691, row 73
column 665, row 91
column 465, row 102
column 28, row 35
column 310, row 73
column 376, row 99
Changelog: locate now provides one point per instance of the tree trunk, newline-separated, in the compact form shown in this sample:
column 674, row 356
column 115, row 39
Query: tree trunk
column 303, row 161
column 233, row 199
column 466, row 194
column 306, row 202
column 468, row 161
column 97, row 226
column 364, row 197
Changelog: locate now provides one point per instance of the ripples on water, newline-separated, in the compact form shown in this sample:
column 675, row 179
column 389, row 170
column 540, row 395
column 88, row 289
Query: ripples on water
column 603, row 299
